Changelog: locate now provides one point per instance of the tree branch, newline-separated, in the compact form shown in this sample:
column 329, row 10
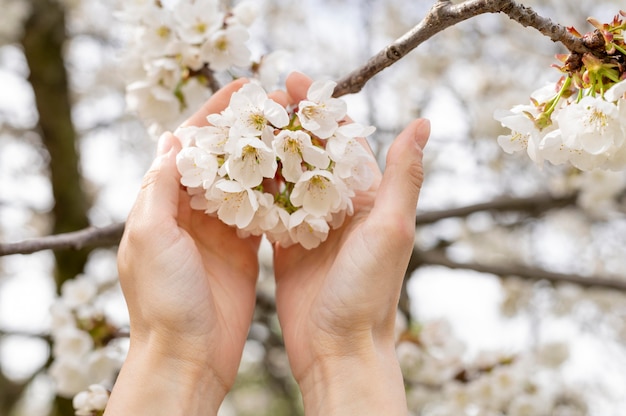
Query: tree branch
column 443, row 15
column 88, row 237
column 111, row 234
column 439, row 258
column 534, row 205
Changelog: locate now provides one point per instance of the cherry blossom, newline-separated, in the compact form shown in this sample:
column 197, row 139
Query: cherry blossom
column 237, row 204
column 258, row 168
column 581, row 119
column 254, row 112
column 307, row 230
column 251, row 161
column 226, row 48
column 92, row 400
column 295, row 147
column 176, row 48
column 319, row 113
column 317, row 192
column 197, row 167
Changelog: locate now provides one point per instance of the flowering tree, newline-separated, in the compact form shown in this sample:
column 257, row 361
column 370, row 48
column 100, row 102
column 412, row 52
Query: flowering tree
column 549, row 230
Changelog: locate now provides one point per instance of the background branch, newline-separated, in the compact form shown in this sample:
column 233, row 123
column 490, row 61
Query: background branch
column 439, row 258
column 443, row 15
column 535, row 205
column 111, row 234
column 88, row 237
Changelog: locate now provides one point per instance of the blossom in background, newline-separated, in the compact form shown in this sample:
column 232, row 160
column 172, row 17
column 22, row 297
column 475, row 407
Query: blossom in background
column 443, row 379
column 86, row 358
column 92, row 401
column 290, row 176
column 178, row 50
column 583, row 121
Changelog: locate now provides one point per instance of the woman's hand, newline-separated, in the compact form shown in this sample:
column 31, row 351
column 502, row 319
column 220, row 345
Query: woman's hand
column 337, row 303
column 189, row 282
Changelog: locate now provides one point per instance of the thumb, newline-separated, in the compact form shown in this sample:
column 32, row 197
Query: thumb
column 158, row 198
column 402, row 180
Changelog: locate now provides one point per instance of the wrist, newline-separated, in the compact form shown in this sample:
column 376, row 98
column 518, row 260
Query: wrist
column 367, row 382
column 152, row 382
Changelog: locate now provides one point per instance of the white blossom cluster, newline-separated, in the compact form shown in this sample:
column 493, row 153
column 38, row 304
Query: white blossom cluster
column 589, row 132
column 441, row 381
column 91, row 402
column 288, row 174
column 83, row 353
column 582, row 118
column 177, row 46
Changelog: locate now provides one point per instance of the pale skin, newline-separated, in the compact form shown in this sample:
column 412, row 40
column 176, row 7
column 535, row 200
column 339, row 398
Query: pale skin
column 189, row 283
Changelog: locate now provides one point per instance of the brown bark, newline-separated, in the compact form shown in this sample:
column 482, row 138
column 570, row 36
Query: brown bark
column 43, row 43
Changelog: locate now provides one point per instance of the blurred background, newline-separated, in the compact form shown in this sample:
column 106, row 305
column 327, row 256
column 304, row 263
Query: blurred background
column 514, row 299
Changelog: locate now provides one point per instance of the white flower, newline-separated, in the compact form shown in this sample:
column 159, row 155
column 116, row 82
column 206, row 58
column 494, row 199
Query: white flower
column 253, row 111
column 152, row 101
column 317, row 192
column 307, row 230
column 71, row 341
column 528, row 405
column 616, row 92
column 226, row 48
column 295, row 201
column 521, row 126
column 319, row 113
column 353, row 163
column 410, row 357
column 102, row 365
column 295, row 147
column 197, row 20
column 251, row 161
column 244, row 13
column 156, row 35
column 95, row 398
column 61, row 315
column 209, row 138
column 78, row 291
column 69, row 375
column 197, row 167
column 591, row 125
column 270, row 67
column 234, row 204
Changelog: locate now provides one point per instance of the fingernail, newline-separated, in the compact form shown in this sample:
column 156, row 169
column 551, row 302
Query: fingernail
column 165, row 143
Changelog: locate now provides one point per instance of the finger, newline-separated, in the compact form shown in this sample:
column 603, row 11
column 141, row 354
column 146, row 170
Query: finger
column 297, row 86
column 403, row 176
column 157, row 201
column 280, row 97
column 215, row 104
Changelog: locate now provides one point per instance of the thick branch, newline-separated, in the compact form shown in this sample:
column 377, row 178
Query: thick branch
column 438, row 257
column 88, row 237
column 43, row 43
column 443, row 15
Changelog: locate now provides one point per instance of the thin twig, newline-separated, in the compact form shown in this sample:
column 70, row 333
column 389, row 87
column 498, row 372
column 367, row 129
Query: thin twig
column 439, row 258
column 443, row 15
column 534, row 205
column 88, row 237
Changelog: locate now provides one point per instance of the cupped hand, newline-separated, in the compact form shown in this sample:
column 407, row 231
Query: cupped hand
column 340, row 299
column 188, row 279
